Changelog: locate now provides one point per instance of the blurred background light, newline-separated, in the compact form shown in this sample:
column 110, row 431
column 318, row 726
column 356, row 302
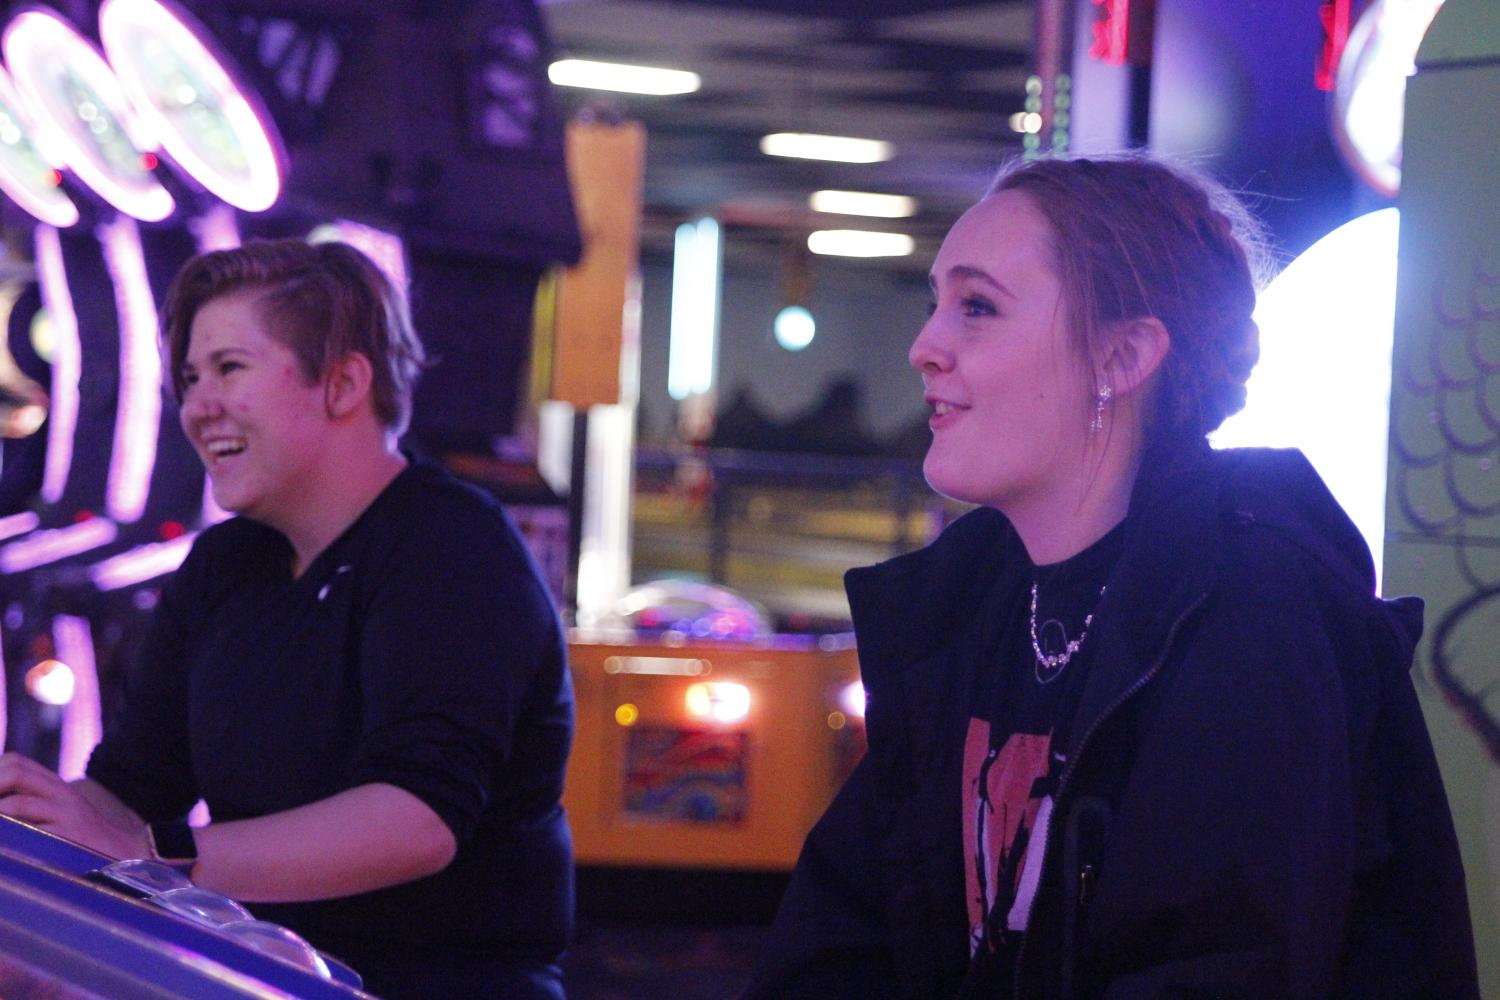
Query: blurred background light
column 26, row 173
column 1323, row 383
column 860, row 243
column 834, row 148
column 85, row 116
column 51, row 682
column 866, row 203
column 718, row 701
column 852, row 699
column 623, row 78
column 1369, row 99
column 696, row 271
column 198, row 112
column 1026, row 122
column 795, row 328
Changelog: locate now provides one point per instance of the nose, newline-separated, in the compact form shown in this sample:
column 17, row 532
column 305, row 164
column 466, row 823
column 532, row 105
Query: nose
column 929, row 353
column 199, row 404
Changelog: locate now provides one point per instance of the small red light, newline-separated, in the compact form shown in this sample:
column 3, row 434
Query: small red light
column 149, row 161
column 55, row 178
column 170, row 530
column 83, row 515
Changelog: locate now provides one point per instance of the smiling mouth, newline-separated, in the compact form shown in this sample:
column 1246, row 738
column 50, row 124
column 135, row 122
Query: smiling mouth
column 224, row 447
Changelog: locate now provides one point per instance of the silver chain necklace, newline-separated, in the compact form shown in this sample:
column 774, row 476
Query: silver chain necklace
column 1055, row 662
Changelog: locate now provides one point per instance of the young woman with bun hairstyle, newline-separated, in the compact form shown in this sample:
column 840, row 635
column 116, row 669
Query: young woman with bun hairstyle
column 1139, row 725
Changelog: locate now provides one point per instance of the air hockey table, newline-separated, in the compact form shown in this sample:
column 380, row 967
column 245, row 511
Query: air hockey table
column 75, row 926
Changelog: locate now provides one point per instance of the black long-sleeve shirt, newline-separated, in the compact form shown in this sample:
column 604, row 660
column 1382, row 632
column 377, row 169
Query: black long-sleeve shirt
column 421, row 650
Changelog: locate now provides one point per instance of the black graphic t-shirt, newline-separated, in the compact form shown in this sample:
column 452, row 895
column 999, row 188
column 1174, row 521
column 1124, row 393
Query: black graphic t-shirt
column 1021, row 713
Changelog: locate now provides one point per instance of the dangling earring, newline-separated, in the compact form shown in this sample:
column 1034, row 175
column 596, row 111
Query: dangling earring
column 1097, row 424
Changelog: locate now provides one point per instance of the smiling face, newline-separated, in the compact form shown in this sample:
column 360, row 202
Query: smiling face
column 1010, row 398
column 261, row 428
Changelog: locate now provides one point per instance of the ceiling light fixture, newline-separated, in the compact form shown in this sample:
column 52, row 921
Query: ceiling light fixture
column 877, row 206
column 860, row 243
column 837, row 148
column 623, row 78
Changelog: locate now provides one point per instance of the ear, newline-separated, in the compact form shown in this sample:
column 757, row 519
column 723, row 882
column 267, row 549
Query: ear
column 1136, row 349
column 348, row 384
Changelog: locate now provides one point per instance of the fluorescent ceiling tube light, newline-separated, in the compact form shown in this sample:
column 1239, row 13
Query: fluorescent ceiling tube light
column 875, row 206
column 623, row 78
column 838, row 148
column 860, row 243
column 697, row 274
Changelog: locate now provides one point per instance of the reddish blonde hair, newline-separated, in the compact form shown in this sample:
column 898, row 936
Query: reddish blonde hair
column 1135, row 237
column 323, row 301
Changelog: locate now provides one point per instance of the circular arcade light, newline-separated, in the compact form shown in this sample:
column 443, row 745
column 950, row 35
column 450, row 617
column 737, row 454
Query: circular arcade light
column 1369, row 92
column 83, row 112
column 26, row 174
column 205, row 120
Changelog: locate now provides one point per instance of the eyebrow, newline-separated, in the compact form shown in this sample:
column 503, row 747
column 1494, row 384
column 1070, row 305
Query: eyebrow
column 215, row 356
column 969, row 271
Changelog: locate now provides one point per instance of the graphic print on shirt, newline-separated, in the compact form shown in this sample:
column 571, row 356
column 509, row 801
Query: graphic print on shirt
column 1001, row 812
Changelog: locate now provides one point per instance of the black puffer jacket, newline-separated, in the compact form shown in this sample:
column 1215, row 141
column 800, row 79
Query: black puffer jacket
column 1252, row 807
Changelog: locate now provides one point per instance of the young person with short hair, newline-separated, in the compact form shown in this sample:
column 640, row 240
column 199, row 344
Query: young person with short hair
column 362, row 674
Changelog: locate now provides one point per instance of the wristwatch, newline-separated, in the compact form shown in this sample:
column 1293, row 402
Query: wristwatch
column 172, row 843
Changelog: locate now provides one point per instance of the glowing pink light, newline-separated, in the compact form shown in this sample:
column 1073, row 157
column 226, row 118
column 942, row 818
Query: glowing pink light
column 149, row 42
column 139, row 412
column 144, row 562
column 79, row 117
column 18, row 524
column 43, row 547
column 81, row 723
column 27, row 173
column 67, row 362
column 216, row 229
column 1111, row 32
column 385, row 249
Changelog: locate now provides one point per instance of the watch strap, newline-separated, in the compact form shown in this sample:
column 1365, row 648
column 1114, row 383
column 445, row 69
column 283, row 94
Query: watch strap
column 172, row 842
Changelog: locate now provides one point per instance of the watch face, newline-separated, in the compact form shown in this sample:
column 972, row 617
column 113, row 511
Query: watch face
column 206, row 122
column 79, row 102
column 25, row 174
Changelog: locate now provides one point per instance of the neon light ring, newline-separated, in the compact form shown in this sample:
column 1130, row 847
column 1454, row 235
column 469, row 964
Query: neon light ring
column 207, row 122
column 27, row 174
column 81, row 107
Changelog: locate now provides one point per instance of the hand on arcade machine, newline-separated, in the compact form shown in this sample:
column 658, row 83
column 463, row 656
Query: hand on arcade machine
column 82, row 811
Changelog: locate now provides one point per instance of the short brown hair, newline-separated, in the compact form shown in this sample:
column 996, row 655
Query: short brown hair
column 324, row 301
column 1137, row 237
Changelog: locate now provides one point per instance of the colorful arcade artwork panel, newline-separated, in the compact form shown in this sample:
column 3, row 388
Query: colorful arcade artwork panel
column 685, row 775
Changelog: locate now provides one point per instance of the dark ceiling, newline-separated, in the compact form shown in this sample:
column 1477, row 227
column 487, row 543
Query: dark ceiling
column 938, row 79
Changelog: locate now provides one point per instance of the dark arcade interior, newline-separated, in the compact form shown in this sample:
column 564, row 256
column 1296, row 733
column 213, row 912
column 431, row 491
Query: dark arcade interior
column 684, row 534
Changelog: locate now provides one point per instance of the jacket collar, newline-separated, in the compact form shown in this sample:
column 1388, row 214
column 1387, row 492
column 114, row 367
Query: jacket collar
column 906, row 608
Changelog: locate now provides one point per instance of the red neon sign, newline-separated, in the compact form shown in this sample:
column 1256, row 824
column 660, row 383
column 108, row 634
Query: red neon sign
column 1335, row 15
column 1111, row 32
